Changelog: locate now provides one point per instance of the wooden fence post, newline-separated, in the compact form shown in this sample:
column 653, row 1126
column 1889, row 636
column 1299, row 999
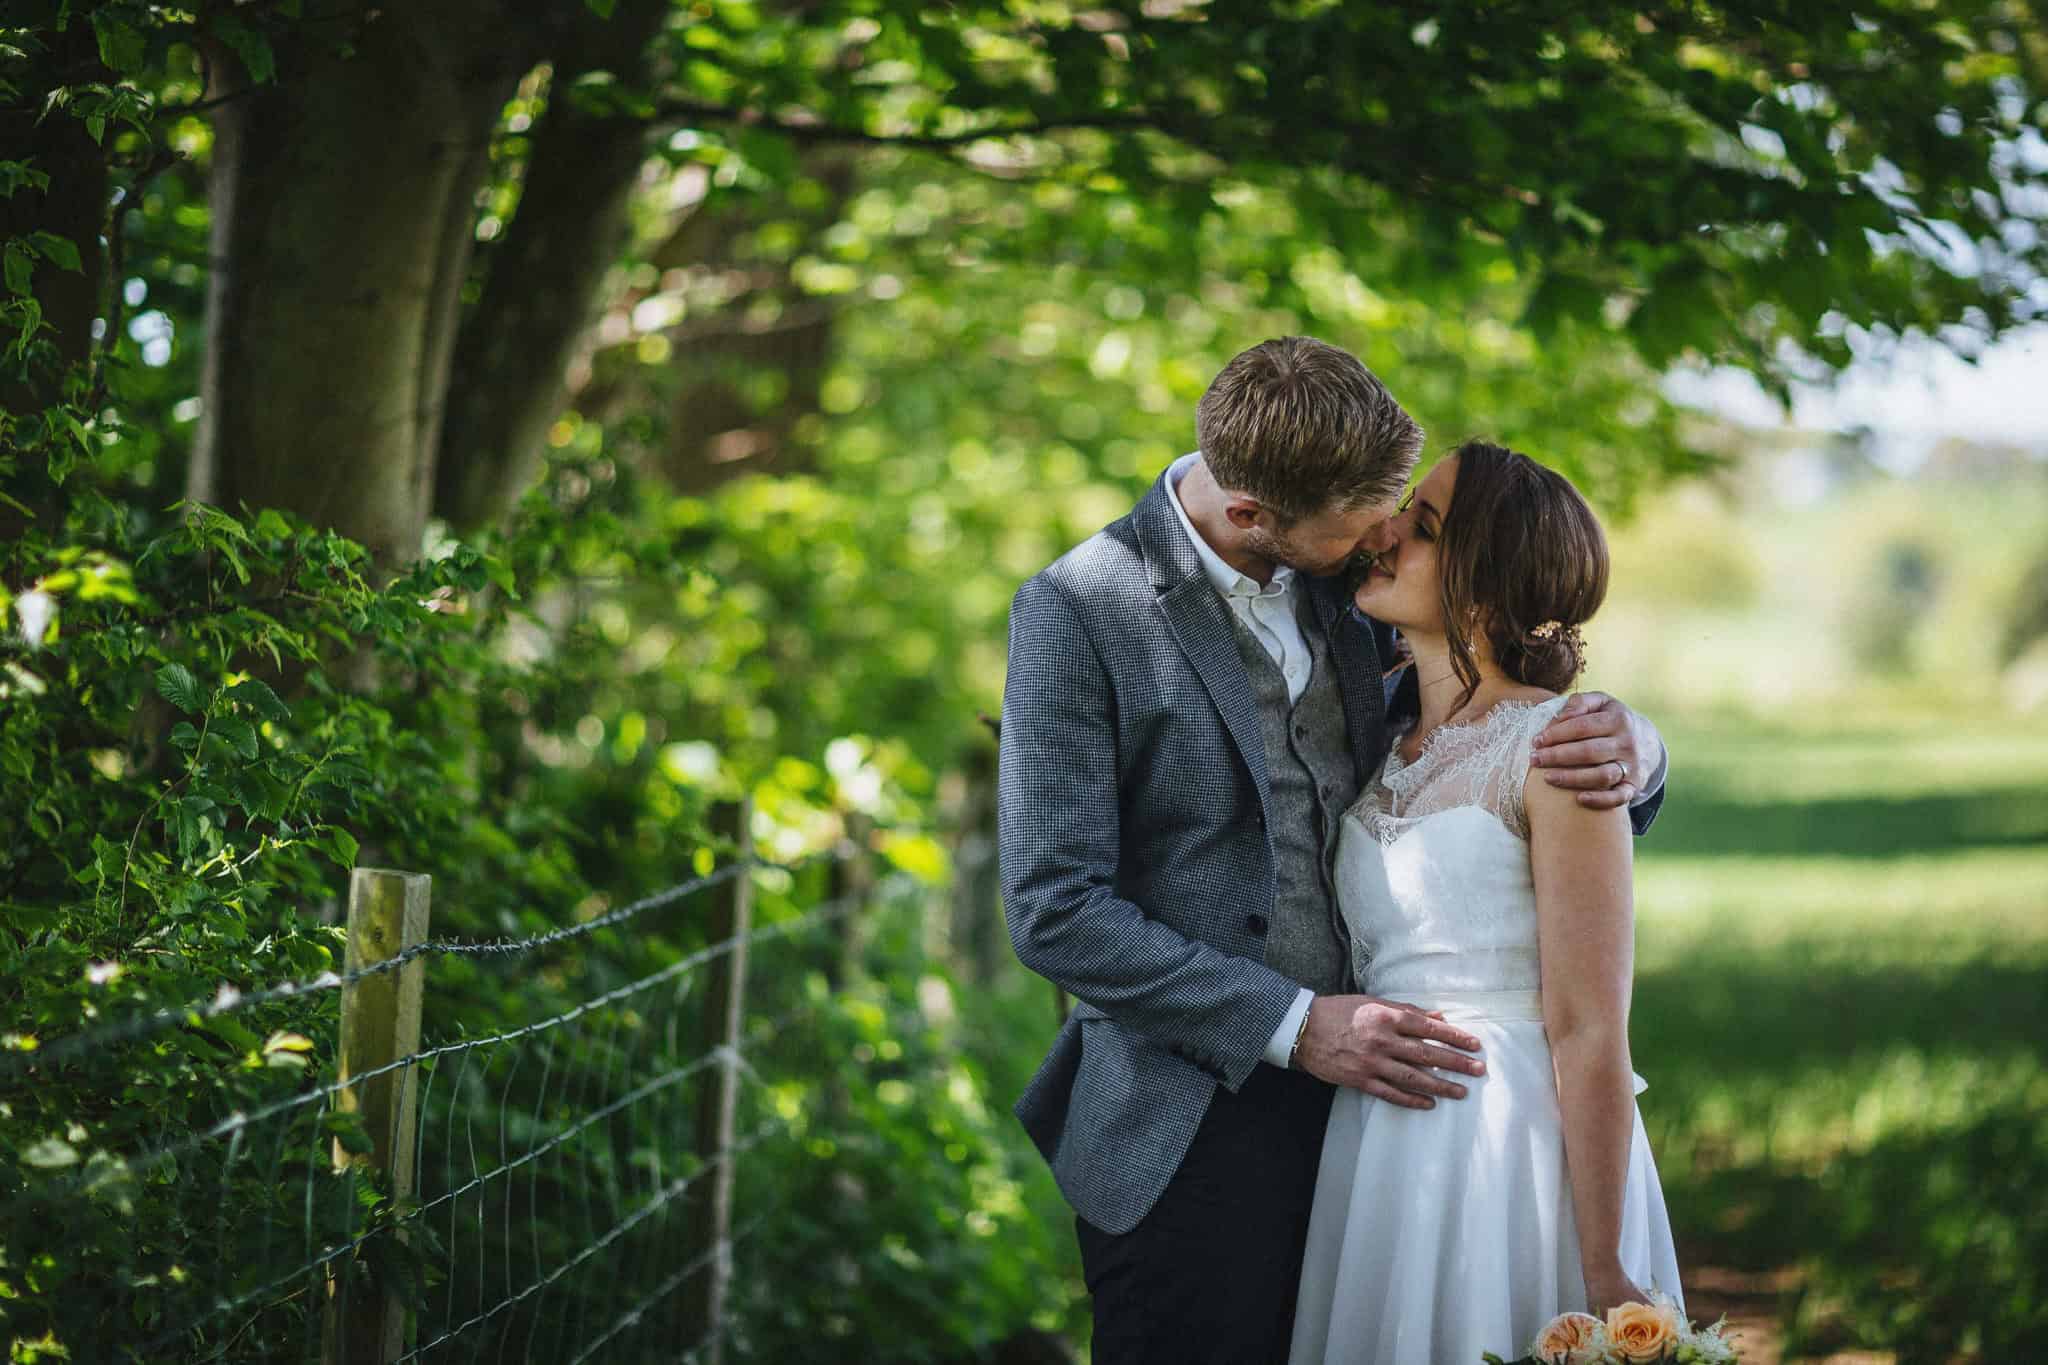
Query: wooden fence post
column 380, row 1023
column 708, row 1200
column 852, row 881
column 978, row 939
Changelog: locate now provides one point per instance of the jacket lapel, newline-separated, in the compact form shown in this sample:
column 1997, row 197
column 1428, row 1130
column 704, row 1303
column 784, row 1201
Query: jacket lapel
column 1200, row 622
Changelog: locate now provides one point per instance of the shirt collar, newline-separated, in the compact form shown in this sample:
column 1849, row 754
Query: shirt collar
column 1226, row 580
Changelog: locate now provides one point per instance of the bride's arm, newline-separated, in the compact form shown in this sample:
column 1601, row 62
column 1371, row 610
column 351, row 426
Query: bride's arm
column 1585, row 924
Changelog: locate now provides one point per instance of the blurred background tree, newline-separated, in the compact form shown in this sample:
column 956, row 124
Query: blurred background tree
column 700, row 379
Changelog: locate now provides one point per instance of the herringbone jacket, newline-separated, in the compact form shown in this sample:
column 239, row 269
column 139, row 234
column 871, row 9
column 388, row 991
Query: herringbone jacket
column 1136, row 868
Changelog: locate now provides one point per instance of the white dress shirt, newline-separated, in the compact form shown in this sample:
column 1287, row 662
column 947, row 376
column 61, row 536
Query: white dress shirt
column 1268, row 612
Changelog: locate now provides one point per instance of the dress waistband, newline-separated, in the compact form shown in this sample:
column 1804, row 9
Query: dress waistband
column 1478, row 1004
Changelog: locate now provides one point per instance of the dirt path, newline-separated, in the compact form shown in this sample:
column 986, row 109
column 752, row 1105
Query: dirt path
column 1751, row 1302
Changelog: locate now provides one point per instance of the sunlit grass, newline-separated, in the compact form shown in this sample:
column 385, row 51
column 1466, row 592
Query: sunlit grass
column 1842, row 992
column 1926, row 906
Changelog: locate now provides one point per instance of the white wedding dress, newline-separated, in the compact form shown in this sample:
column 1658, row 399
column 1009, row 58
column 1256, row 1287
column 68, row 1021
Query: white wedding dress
column 1439, row 1234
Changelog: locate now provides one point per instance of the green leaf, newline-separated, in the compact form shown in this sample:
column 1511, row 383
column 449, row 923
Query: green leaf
column 501, row 574
column 338, row 844
column 772, row 154
column 18, row 267
column 122, row 46
column 239, row 733
column 1561, row 298
column 178, row 687
column 349, row 1132
column 59, row 251
column 252, row 47
column 50, row 1154
column 188, row 827
column 232, row 1030
column 255, row 694
column 601, row 8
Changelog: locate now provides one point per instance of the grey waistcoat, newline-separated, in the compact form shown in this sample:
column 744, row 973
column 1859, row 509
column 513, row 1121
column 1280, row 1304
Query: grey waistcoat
column 1309, row 767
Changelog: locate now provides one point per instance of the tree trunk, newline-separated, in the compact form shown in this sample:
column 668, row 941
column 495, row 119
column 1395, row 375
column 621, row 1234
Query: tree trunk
column 714, row 425
column 342, row 199
column 545, row 279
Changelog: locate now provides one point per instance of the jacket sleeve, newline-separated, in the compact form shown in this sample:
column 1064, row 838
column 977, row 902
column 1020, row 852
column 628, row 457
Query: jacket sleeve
column 1645, row 808
column 1058, row 839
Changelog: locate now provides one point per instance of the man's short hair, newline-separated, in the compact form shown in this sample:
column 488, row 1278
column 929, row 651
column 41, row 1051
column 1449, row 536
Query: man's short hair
column 1303, row 426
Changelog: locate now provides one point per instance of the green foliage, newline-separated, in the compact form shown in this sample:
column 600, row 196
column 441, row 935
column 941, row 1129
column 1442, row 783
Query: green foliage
column 896, row 1224
column 1719, row 180
column 220, row 711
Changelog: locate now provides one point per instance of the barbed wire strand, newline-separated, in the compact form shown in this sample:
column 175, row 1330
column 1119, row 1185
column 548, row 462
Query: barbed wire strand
column 228, row 1000
column 237, row 1127
column 689, row 963
column 716, row 1055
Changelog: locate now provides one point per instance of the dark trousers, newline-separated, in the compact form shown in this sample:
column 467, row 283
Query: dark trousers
column 1210, row 1273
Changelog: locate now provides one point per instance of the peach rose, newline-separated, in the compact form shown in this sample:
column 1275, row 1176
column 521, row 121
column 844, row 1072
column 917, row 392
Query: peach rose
column 1640, row 1332
column 1567, row 1332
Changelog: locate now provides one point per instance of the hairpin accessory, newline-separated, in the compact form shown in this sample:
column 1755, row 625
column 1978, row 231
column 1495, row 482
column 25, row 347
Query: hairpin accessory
column 1547, row 630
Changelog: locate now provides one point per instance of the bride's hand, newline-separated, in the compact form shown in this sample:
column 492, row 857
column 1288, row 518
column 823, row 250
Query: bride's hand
column 1609, row 1289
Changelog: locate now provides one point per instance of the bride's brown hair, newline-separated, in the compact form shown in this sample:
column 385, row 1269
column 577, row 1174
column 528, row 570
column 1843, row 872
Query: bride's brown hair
column 1521, row 557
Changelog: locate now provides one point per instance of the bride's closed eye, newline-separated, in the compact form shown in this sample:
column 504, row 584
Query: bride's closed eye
column 1422, row 531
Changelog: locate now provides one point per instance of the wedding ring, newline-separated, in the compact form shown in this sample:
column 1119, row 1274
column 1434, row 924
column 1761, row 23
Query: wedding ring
column 1624, row 771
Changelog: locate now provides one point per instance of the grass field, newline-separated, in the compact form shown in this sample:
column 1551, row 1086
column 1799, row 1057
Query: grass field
column 1841, row 1007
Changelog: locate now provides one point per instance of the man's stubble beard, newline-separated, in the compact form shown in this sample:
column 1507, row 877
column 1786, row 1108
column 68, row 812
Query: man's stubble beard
column 1277, row 549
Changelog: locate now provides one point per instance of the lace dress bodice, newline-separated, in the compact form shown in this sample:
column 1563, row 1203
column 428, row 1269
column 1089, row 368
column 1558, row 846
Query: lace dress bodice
column 1432, row 864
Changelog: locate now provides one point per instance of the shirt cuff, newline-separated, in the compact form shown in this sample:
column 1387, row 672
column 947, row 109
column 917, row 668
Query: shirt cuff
column 1654, row 783
column 1282, row 1041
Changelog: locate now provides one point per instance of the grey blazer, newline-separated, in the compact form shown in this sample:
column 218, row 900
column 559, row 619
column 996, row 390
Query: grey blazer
column 1136, row 868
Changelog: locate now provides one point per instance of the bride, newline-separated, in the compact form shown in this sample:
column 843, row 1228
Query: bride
column 1500, row 904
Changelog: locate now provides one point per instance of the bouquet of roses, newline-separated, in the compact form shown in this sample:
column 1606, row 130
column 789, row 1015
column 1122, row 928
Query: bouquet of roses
column 1634, row 1334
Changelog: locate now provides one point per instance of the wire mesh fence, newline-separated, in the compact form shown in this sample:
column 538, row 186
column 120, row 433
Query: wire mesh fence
column 566, row 1187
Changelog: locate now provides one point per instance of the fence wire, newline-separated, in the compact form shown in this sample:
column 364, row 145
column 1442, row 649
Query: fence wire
column 544, row 1154
column 229, row 999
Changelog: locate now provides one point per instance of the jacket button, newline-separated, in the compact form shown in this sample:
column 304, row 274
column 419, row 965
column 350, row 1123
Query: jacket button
column 1256, row 923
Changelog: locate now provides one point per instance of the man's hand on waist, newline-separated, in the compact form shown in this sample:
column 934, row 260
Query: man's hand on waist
column 1387, row 1049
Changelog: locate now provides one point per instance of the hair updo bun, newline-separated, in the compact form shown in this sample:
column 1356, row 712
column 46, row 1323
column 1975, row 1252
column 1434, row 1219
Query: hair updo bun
column 1523, row 558
column 1551, row 661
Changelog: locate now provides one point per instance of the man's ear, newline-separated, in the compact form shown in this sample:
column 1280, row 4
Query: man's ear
column 1243, row 512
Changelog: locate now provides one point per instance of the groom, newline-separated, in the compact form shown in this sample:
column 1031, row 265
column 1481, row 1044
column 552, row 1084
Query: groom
column 1191, row 704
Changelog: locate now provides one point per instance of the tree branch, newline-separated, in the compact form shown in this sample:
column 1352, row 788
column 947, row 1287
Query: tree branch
column 800, row 131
